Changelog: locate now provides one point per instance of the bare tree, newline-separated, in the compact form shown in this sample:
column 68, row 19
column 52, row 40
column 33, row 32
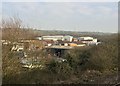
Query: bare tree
column 11, row 29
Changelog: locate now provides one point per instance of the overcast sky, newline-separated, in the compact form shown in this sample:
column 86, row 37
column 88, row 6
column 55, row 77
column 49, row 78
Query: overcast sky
column 70, row 16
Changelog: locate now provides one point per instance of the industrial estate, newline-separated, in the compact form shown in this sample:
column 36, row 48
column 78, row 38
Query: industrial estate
column 56, row 45
column 58, row 57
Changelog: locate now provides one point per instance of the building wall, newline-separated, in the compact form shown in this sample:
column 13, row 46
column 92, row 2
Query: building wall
column 94, row 40
column 72, row 44
column 68, row 38
column 86, row 38
column 54, row 38
column 81, row 45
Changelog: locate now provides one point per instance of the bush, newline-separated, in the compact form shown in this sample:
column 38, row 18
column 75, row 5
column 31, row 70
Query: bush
column 101, row 57
column 78, row 57
column 62, row 70
column 104, row 56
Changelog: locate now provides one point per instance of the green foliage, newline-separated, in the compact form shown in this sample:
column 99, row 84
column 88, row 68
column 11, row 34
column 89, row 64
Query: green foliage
column 102, row 57
column 78, row 57
column 61, row 69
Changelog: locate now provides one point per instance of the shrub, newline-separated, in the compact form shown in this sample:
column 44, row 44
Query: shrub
column 62, row 70
column 78, row 57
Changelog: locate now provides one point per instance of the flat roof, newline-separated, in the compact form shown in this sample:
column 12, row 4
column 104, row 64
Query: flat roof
column 59, row 47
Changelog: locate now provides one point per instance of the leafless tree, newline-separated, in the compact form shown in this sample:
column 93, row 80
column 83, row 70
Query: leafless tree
column 13, row 30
